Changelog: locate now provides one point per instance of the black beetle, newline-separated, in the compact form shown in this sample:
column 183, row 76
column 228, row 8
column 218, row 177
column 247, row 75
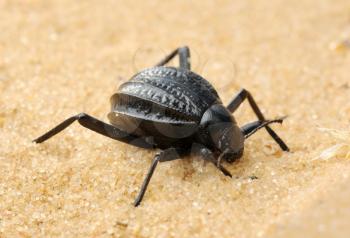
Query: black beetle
column 177, row 111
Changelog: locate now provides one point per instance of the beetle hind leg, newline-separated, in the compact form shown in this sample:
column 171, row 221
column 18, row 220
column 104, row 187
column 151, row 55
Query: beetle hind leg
column 184, row 57
column 98, row 126
column 237, row 101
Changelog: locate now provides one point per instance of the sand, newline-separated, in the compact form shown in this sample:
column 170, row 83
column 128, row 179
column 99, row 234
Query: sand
column 59, row 58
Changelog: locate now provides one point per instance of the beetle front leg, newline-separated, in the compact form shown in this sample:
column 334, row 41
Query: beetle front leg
column 165, row 155
column 207, row 155
column 237, row 101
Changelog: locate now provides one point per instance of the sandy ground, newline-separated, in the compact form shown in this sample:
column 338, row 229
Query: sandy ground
column 59, row 58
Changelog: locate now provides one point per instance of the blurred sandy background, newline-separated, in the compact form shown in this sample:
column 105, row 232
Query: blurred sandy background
column 59, row 58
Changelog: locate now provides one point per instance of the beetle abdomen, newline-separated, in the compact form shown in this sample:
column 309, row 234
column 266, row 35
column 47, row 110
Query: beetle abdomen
column 139, row 107
column 180, row 90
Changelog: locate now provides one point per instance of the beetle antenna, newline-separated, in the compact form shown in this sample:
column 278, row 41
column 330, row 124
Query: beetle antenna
column 253, row 127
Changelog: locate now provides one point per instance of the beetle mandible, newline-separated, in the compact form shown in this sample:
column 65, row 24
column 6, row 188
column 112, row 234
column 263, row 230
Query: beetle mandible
column 178, row 112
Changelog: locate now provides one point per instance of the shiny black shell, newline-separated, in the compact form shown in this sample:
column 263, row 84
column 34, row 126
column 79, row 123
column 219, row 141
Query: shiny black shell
column 163, row 103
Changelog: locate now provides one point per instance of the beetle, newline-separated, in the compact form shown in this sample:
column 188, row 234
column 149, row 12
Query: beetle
column 177, row 111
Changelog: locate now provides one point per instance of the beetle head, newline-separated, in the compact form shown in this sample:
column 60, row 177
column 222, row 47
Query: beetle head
column 221, row 133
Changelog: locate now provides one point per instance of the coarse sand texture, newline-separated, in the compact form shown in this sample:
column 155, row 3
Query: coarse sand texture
column 59, row 58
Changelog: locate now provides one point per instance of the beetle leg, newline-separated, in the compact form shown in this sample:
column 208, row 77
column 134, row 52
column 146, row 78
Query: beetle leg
column 99, row 127
column 165, row 155
column 207, row 155
column 184, row 57
column 237, row 101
